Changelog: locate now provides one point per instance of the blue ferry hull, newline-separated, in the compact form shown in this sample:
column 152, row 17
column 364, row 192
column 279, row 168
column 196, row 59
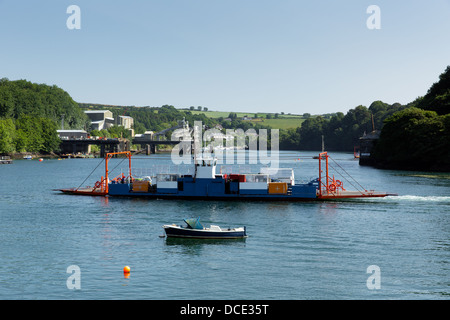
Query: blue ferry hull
column 216, row 189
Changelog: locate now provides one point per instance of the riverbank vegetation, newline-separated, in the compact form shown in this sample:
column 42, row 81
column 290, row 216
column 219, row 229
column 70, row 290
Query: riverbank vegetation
column 30, row 114
column 415, row 135
column 418, row 138
column 340, row 132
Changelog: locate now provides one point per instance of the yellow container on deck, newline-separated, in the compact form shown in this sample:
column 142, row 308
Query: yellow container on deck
column 140, row 186
column 277, row 187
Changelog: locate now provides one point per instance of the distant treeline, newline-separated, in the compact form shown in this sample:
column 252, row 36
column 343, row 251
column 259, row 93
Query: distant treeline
column 340, row 132
column 31, row 113
column 151, row 118
column 415, row 136
column 167, row 116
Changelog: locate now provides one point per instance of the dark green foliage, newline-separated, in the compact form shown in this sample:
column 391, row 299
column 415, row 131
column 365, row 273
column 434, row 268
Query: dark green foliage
column 289, row 139
column 36, row 134
column 7, row 135
column 31, row 113
column 28, row 134
column 438, row 96
column 413, row 136
column 311, row 133
column 22, row 97
column 341, row 132
column 113, row 132
column 419, row 137
column 415, row 139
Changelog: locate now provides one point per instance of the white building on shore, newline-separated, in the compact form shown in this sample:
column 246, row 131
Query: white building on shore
column 100, row 119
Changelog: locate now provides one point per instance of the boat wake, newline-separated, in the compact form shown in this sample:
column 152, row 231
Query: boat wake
column 420, row 198
column 407, row 198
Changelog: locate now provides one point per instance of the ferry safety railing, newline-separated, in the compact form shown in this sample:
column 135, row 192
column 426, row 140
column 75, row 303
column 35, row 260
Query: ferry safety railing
column 331, row 185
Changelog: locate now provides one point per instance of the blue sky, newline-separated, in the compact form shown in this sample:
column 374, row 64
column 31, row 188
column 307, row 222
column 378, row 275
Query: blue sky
column 287, row 56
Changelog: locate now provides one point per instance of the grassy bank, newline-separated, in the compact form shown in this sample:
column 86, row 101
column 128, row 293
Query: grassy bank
column 284, row 121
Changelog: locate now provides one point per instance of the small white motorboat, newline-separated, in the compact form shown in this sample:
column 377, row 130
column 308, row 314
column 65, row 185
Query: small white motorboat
column 194, row 229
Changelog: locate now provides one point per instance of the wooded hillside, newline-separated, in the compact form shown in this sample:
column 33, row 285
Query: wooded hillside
column 418, row 138
column 31, row 113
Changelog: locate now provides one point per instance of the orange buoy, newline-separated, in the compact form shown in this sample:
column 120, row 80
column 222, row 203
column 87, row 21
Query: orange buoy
column 126, row 269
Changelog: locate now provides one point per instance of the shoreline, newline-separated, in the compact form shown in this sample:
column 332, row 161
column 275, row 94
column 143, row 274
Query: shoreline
column 376, row 164
column 52, row 155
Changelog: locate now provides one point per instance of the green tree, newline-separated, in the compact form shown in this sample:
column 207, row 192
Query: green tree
column 438, row 96
column 311, row 133
column 50, row 137
column 232, row 115
column 32, row 130
column 21, row 141
column 119, row 132
column 39, row 100
column 290, row 139
column 7, row 135
column 414, row 138
column 6, row 100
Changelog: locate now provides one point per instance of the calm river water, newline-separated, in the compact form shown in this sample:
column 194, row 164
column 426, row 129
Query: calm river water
column 312, row 250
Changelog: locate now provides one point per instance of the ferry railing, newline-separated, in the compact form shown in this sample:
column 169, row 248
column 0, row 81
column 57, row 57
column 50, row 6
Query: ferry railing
column 107, row 158
column 330, row 187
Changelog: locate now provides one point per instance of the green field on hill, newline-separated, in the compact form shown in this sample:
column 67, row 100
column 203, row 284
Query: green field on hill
column 284, row 121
